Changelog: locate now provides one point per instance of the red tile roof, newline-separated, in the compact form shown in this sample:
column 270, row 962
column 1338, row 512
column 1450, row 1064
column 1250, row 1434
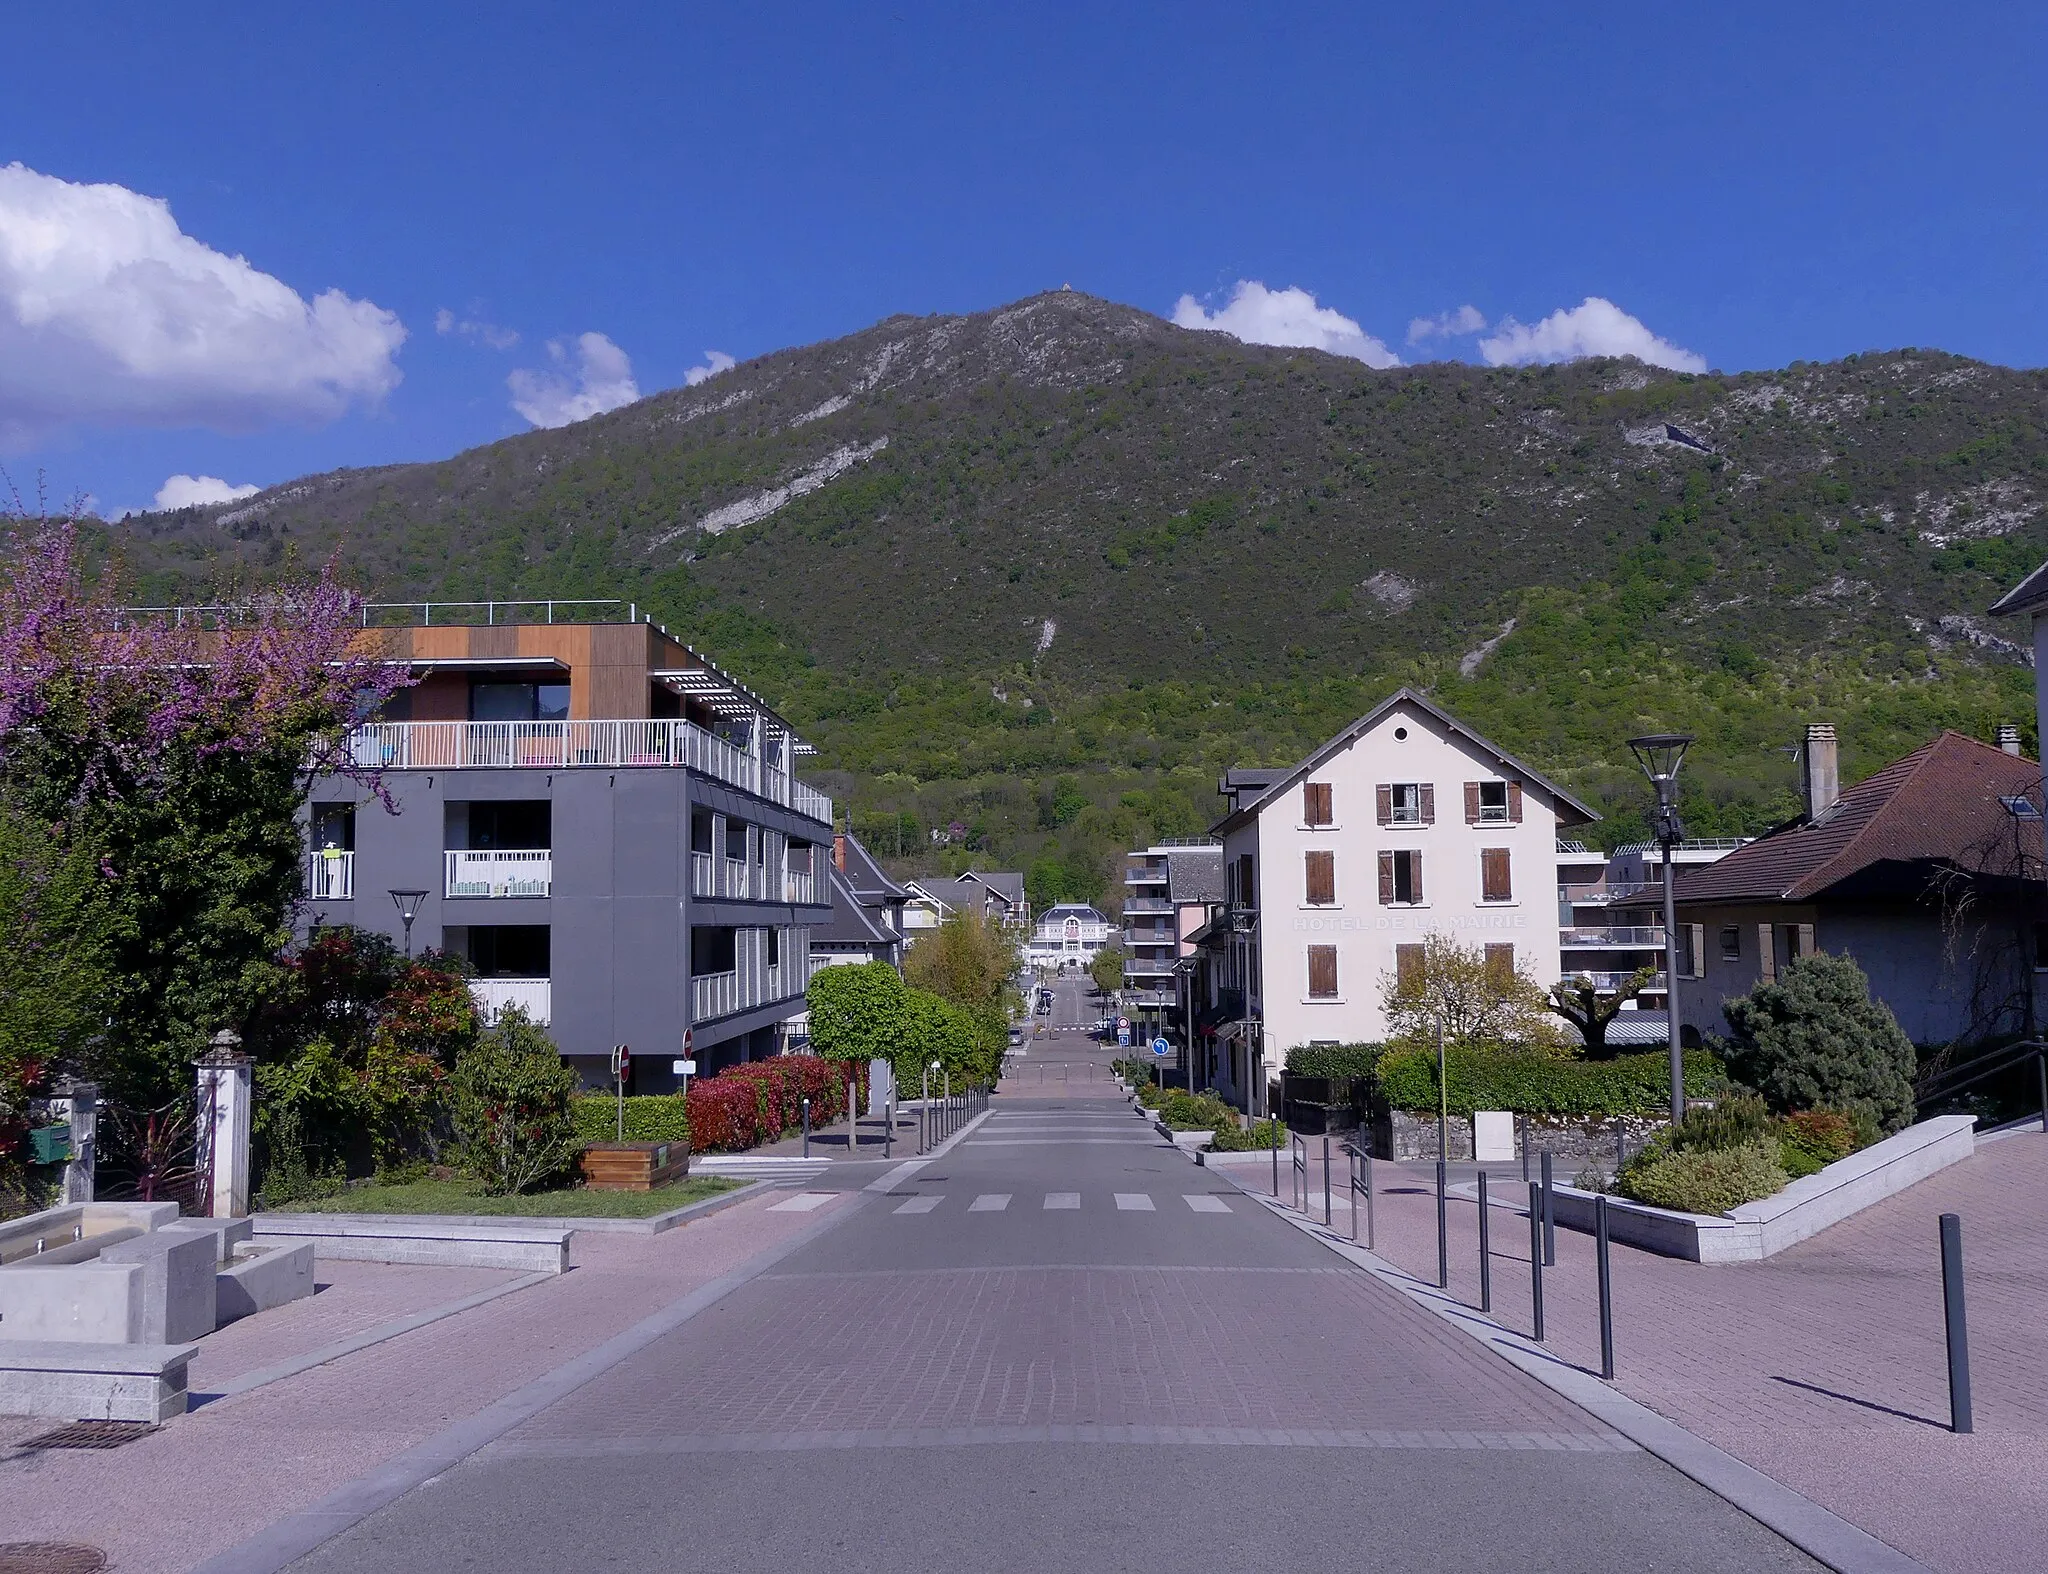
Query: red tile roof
column 1939, row 804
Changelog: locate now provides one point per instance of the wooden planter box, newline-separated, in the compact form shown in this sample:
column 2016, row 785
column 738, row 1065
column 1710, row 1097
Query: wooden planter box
column 634, row 1166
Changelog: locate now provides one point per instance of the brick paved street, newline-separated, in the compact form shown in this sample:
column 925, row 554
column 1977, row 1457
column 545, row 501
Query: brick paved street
column 1825, row 1366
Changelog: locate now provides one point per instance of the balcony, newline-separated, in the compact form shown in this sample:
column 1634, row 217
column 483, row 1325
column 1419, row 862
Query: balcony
column 1145, row 874
column 560, row 745
column 1139, row 905
column 735, row 880
column 1148, row 967
column 715, row 995
column 1605, row 980
column 535, row 996
column 500, row 872
column 1636, row 937
column 1635, row 892
column 331, row 876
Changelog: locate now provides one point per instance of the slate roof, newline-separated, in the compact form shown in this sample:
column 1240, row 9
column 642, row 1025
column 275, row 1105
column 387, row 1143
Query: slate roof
column 852, row 923
column 1940, row 804
column 1569, row 809
column 865, row 876
column 1194, row 874
column 2028, row 595
column 970, row 890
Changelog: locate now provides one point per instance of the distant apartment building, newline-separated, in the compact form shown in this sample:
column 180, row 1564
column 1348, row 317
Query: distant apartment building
column 607, row 826
column 1171, row 889
column 1068, row 937
column 1404, row 824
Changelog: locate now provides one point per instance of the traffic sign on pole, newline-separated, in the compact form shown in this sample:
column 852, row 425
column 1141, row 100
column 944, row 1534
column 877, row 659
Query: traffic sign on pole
column 1161, row 1048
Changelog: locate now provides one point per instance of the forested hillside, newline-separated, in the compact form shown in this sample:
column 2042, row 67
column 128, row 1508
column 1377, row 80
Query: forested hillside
column 1044, row 571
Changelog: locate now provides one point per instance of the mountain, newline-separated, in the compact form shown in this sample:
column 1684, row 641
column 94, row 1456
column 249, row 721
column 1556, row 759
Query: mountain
column 975, row 555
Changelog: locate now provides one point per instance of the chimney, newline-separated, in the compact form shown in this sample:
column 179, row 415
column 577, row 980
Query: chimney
column 839, row 851
column 1820, row 769
column 2008, row 737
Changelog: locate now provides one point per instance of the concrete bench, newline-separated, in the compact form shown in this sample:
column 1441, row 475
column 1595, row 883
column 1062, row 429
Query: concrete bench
column 262, row 1275
column 93, row 1382
column 365, row 1237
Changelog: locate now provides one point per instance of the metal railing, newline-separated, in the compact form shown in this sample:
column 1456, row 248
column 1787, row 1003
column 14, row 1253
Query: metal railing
column 400, row 614
column 940, row 1118
column 1618, row 891
column 563, row 745
column 1146, row 904
column 1635, row 936
column 331, row 875
column 499, row 872
column 535, row 996
column 1612, row 980
column 714, row 995
column 703, row 874
column 1946, row 1084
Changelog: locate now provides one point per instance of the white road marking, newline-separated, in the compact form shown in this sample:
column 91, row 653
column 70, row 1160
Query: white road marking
column 919, row 1205
column 1133, row 1202
column 1203, row 1202
column 804, row 1202
column 990, row 1202
column 1062, row 1199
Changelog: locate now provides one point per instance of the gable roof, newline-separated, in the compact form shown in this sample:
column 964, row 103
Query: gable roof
column 1284, row 781
column 1194, row 874
column 2028, row 595
column 866, row 877
column 1940, row 804
column 852, row 923
column 971, row 890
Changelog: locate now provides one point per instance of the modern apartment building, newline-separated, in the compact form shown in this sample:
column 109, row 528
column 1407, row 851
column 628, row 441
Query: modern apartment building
column 1610, row 917
column 1172, row 888
column 1404, row 824
column 608, row 827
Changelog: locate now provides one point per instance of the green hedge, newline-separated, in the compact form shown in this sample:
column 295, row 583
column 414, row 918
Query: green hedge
column 658, row 1117
column 1543, row 1084
column 1334, row 1060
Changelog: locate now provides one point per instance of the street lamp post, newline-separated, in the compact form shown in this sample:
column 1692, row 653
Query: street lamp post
column 408, row 904
column 1660, row 754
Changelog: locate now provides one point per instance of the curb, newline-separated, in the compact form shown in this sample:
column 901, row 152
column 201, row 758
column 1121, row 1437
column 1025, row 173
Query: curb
column 1818, row 1532
column 654, row 1224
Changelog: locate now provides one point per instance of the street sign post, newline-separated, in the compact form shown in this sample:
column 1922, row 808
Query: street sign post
column 1161, row 1048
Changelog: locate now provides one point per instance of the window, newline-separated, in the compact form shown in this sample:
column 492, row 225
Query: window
column 1322, row 972
column 1500, row 960
column 700, row 831
column 493, row 701
column 1408, row 965
column 1407, row 803
column 1315, row 804
column 736, row 840
column 1322, row 879
column 523, row 823
column 1493, row 803
column 1246, row 896
column 1731, row 942
column 714, row 948
column 334, row 828
column 1401, row 877
column 775, row 950
column 1495, row 882
column 508, row 950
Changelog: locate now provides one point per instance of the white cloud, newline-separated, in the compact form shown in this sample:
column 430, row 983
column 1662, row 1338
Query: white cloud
column 110, row 314
column 487, row 334
column 715, row 361
column 1446, row 325
column 191, row 491
column 1594, row 327
column 1291, row 316
column 603, row 380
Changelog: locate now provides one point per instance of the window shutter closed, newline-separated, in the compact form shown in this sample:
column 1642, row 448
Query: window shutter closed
column 1322, row 972
column 1386, row 879
column 1315, row 803
column 1494, row 878
column 1429, row 803
column 1408, row 965
column 1385, row 795
column 1696, row 950
column 1514, row 803
column 1322, row 878
column 1767, row 953
column 1471, row 803
column 1806, row 940
column 1500, row 960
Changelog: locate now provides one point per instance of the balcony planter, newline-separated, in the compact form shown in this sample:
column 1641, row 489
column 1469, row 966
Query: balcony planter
column 634, row 1166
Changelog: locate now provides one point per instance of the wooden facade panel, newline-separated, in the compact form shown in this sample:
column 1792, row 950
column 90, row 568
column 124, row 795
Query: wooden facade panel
column 441, row 696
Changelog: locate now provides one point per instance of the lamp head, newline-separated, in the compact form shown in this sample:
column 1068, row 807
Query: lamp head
column 1660, row 753
column 408, row 903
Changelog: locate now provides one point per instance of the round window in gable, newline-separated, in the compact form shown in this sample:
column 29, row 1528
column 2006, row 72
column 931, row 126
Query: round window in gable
column 1400, row 734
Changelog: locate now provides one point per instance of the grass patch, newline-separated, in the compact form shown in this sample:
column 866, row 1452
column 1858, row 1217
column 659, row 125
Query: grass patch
column 569, row 1202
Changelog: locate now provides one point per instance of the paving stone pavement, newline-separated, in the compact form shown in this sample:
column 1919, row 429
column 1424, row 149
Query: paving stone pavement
column 1825, row 1366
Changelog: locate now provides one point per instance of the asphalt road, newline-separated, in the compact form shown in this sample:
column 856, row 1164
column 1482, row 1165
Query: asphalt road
column 1059, row 1343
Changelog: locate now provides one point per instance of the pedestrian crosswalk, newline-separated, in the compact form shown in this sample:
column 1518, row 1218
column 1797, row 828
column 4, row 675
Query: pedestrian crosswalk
column 1065, row 1202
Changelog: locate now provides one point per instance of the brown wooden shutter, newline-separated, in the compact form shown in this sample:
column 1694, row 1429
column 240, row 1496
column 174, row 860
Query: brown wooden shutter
column 1322, row 878
column 1767, row 953
column 1429, row 803
column 1696, row 937
column 1315, row 803
column 1385, row 796
column 1415, row 873
column 1322, row 972
column 1386, row 878
column 1500, row 959
column 1471, row 803
column 1514, row 803
column 1495, row 881
column 1806, row 940
column 1408, row 965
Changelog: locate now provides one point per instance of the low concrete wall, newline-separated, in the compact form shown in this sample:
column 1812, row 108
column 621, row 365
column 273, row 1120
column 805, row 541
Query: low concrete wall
column 269, row 1275
column 363, row 1237
column 71, row 1303
column 177, row 1282
column 93, row 1382
column 58, row 1227
column 1757, row 1230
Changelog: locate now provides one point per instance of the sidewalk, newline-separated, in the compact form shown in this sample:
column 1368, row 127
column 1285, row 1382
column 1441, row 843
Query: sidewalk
column 215, row 1476
column 1825, row 1366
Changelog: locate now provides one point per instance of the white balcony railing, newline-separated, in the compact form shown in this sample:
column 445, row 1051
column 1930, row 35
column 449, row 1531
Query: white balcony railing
column 735, row 878
column 1632, row 936
column 800, row 886
column 711, row 875
column 331, row 876
column 500, row 872
column 558, row 745
column 714, row 995
column 535, row 996
column 703, row 874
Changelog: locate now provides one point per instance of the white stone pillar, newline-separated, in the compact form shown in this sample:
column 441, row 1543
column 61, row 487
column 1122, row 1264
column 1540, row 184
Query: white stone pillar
column 77, row 1105
column 223, row 1114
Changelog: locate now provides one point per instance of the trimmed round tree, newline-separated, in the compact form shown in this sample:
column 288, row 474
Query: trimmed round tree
column 1813, row 1038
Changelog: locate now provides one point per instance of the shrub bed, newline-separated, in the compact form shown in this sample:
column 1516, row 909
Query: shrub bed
column 660, row 1117
column 762, row 1101
column 1705, row 1180
column 1535, row 1084
column 1338, row 1062
column 1261, row 1134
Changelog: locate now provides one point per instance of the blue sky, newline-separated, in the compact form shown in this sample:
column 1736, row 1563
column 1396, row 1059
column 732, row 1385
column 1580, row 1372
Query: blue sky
column 1746, row 185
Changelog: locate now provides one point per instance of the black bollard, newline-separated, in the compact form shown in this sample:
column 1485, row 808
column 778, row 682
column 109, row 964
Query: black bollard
column 1485, row 1251
column 1536, row 1257
column 1959, row 1418
column 807, row 1128
column 1443, row 1233
column 1549, row 1218
column 1606, row 1287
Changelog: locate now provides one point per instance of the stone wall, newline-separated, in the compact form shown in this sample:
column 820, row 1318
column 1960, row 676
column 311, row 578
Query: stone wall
column 1576, row 1143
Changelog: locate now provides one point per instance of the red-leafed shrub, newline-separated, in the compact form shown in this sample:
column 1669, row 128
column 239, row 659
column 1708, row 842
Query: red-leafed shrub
column 762, row 1100
column 723, row 1116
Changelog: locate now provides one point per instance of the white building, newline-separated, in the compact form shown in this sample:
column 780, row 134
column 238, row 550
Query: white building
column 1067, row 937
column 1404, row 824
